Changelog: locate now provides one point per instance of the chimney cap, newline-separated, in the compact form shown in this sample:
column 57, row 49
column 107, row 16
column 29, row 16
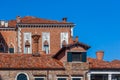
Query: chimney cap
column 100, row 51
column 64, row 19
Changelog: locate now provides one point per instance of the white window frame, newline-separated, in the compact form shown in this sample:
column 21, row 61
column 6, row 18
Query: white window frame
column 30, row 49
column 61, row 38
column 62, row 77
column 44, row 40
column 22, row 73
column 77, row 77
column 40, row 77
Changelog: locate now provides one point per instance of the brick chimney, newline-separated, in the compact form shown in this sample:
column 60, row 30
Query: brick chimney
column 18, row 19
column 76, row 39
column 100, row 55
column 71, row 40
column 35, row 50
column 64, row 19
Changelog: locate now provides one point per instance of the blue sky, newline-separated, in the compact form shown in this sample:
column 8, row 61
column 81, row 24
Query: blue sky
column 97, row 21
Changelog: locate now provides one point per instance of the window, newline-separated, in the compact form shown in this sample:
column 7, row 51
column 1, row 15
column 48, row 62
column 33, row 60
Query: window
column 64, row 38
column 46, row 47
column 1, row 48
column 11, row 50
column 39, row 78
column 46, row 42
column 76, row 56
column 64, row 43
column 61, row 78
column 76, row 78
column 22, row 76
column 27, row 43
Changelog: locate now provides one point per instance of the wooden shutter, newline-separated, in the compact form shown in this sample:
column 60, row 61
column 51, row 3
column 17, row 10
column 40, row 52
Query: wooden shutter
column 84, row 56
column 69, row 56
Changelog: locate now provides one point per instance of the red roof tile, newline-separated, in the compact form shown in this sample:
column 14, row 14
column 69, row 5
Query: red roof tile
column 98, row 64
column 34, row 20
column 28, row 61
column 31, row 19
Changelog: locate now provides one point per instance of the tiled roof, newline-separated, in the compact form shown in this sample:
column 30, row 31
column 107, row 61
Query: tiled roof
column 71, row 45
column 99, row 64
column 28, row 61
column 34, row 20
column 12, row 23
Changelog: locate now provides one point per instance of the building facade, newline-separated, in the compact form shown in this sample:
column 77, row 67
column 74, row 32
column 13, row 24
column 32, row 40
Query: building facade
column 32, row 48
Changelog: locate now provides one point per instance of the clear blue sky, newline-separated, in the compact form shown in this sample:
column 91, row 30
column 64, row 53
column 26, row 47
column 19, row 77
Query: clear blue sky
column 97, row 21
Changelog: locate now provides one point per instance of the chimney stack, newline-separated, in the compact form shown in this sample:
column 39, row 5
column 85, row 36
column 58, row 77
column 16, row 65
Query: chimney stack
column 18, row 19
column 64, row 19
column 100, row 55
column 76, row 39
column 35, row 51
column 71, row 40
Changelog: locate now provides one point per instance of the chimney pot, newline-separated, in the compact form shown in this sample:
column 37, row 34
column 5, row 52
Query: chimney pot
column 100, row 55
column 64, row 19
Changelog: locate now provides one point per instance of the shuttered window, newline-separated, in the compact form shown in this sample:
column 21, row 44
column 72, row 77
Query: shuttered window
column 76, row 56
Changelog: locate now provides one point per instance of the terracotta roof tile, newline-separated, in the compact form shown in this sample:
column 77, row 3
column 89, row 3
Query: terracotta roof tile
column 31, row 19
column 27, row 61
column 12, row 23
column 34, row 20
column 98, row 64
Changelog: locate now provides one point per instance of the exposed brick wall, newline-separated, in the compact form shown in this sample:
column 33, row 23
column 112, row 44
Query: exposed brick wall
column 70, row 70
column 54, row 37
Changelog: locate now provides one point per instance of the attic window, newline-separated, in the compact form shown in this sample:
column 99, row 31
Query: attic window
column 76, row 56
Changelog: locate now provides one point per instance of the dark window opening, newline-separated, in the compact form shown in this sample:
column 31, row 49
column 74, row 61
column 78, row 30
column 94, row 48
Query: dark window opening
column 76, row 57
column 22, row 77
column 76, row 78
column 11, row 50
column 1, row 48
column 61, row 79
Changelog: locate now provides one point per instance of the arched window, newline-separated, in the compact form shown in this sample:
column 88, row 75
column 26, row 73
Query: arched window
column 11, row 49
column 1, row 47
column 46, row 47
column 22, row 76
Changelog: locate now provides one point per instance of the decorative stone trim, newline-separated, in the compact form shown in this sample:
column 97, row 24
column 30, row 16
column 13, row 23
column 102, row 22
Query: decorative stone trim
column 44, row 25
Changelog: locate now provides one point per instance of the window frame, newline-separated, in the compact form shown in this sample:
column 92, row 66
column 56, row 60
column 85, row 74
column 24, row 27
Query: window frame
column 22, row 73
column 40, row 77
column 77, row 77
column 62, row 77
column 76, row 52
column 43, row 40
column 25, row 38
